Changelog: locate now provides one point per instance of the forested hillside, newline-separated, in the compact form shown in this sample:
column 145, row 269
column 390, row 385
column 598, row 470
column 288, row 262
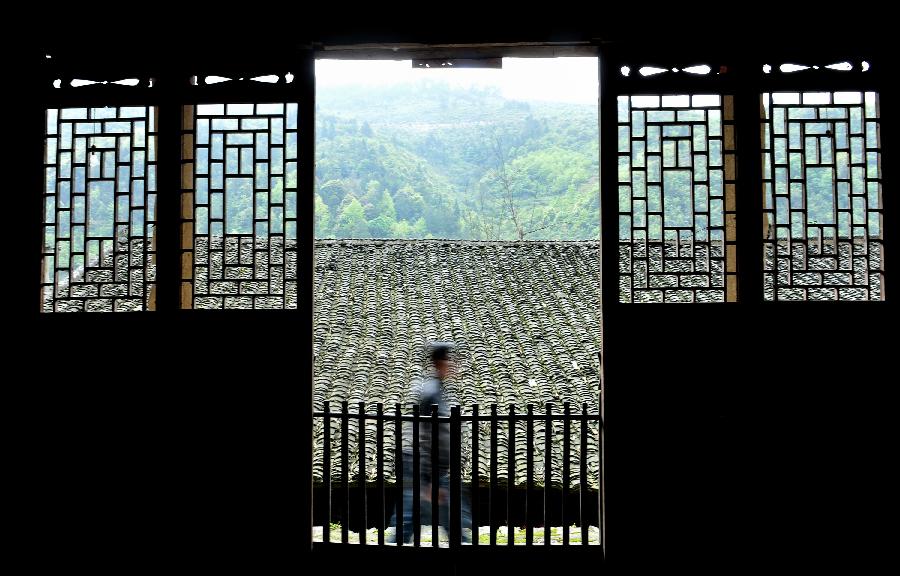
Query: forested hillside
column 428, row 160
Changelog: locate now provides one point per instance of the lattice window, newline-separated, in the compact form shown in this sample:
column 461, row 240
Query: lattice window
column 823, row 205
column 239, row 206
column 676, row 199
column 99, row 210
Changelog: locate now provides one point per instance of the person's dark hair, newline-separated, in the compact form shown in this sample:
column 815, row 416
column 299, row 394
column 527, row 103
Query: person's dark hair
column 440, row 351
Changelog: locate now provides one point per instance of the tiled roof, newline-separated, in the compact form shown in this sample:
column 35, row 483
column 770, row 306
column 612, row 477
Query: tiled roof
column 526, row 317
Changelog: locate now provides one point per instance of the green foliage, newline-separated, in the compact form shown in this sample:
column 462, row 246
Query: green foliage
column 332, row 193
column 405, row 229
column 382, row 226
column 422, row 161
column 323, row 217
column 384, row 205
column 408, row 203
column 351, row 222
column 239, row 206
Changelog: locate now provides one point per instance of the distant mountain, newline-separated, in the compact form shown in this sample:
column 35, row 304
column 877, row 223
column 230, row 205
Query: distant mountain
column 430, row 160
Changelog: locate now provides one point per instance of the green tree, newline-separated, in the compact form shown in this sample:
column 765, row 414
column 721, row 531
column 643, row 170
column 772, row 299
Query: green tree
column 370, row 199
column 322, row 218
column 403, row 229
column 385, row 205
column 382, row 226
column 441, row 218
column 333, row 192
column 373, row 188
column 408, row 203
column 351, row 222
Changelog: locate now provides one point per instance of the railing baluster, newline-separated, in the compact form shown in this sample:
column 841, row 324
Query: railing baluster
column 548, row 463
column 455, row 478
column 435, row 477
column 529, row 474
column 362, row 472
column 510, row 476
column 583, row 472
column 379, row 456
column 565, row 479
column 492, row 490
column 326, row 472
column 476, row 436
column 398, row 472
column 455, row 504
column 416, row 512
column 345, row 470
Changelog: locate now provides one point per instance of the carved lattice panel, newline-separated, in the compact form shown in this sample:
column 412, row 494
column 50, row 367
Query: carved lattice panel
column 676, row 178
column 239, row 206
column 822, row 189
column 99, row 210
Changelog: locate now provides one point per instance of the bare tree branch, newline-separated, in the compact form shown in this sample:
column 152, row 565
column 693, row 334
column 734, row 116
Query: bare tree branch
column 538, row 229
column 511, row 202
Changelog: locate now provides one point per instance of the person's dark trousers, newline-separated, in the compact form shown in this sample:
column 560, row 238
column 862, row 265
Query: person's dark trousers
column 425, row 505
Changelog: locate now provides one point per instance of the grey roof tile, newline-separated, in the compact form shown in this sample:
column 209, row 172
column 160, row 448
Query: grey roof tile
column 526, row 317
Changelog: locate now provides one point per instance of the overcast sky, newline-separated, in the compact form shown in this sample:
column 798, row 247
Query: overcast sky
column 551, row 79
